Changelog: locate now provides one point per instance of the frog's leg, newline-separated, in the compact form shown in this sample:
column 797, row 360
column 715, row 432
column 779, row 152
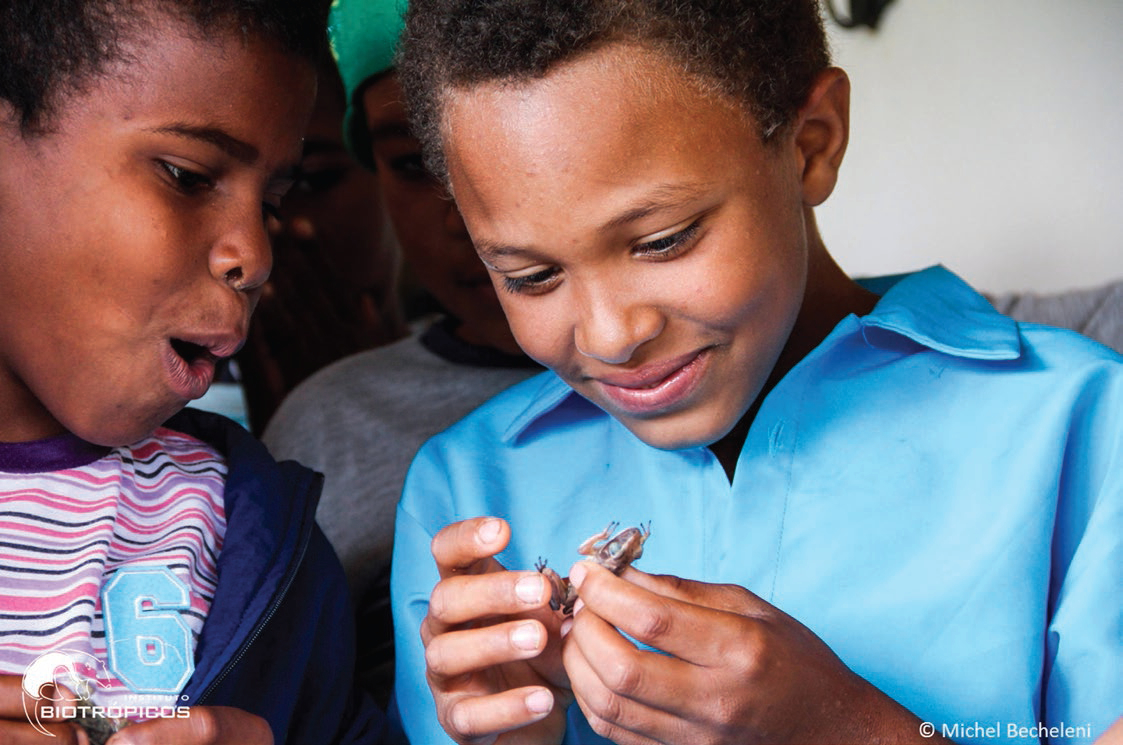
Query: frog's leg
column 562, row 594
column 591, row 544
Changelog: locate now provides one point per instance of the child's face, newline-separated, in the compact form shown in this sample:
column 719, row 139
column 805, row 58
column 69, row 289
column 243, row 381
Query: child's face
column 427, row 224
column 133, row 237
column 646, row 245
column 339, row 199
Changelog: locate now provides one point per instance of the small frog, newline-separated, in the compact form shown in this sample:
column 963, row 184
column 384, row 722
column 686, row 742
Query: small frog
column 98, row 727
column 614, row 554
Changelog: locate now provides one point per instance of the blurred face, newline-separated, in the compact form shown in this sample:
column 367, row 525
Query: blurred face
column 134, row 243
column 430, row 231
column 645, row 244
column 337, row 199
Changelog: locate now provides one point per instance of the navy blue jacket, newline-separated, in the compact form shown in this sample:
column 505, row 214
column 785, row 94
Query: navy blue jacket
column 279, row 638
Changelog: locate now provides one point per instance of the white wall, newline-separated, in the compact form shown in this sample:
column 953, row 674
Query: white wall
column 986, row 135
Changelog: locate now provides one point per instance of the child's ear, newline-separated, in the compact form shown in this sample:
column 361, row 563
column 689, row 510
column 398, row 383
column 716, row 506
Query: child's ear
column 822, row 129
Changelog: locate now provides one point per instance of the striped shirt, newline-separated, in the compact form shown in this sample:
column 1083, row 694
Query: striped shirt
column 108, row 557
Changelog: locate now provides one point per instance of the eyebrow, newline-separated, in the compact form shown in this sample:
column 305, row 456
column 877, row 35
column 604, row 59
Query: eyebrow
column 661, row 197
column 238, row 149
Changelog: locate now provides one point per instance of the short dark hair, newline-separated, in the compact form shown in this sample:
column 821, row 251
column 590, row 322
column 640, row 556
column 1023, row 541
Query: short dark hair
column 50, row 48
column 763, row 54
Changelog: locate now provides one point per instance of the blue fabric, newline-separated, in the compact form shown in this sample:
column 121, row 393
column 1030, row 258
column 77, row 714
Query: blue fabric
column 936, row 491
column 279, row 638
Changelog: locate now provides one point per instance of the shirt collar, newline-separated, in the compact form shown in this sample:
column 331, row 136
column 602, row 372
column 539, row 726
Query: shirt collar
column 544, row 399
column 932, row 307
column 51, row 454
column 938, row 310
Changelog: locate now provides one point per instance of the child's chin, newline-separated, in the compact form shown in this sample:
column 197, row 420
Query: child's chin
column 672, row 432
column 123, row 430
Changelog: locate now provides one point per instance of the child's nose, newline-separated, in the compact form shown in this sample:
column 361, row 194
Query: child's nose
column 612, row 327
column 242, row 256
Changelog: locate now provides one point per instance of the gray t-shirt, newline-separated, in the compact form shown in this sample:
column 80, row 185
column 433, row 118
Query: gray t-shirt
column 360, row 421
column 1096, row 312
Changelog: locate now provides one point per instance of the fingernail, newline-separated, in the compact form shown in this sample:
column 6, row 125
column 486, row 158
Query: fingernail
column 566, row 625
column 539, row 702
column 577, row 574
column 529, row 588
column 489, row 531
column 526, row 636
column 578, row 606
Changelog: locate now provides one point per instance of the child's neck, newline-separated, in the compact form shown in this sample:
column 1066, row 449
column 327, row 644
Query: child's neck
column 829, row 297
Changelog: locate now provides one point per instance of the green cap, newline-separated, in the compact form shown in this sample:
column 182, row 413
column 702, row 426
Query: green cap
column 364, row 37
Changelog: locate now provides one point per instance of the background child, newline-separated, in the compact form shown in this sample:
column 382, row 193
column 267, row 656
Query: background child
column 361, row 420
column 142, row 145
column 870, row 512
column 333, row 288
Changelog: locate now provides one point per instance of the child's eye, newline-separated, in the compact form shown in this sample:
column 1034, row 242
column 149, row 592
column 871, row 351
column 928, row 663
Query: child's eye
column 186, row 181
column 532, row 284
column 409, row 167
column 319, row 180
column 669, row 246
column 270, row 210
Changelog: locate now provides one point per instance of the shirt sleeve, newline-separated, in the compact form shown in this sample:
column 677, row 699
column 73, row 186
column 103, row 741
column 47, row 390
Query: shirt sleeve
column 1084, row 644
column 413, row 576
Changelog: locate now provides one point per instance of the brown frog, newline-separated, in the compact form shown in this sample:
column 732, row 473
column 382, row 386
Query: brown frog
column 98, row 727
column 615, row 554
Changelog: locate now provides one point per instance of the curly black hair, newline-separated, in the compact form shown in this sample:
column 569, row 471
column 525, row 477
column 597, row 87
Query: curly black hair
column 50, row 48
column 763, row 54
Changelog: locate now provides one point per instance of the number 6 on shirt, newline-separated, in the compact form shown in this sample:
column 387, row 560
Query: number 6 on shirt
column 148, row 644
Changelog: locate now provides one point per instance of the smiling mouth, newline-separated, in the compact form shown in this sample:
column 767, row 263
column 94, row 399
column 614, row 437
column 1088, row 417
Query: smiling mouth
column 658, row 389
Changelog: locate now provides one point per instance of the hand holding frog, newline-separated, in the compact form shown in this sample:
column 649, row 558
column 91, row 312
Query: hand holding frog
column 737, row 669
column 492, row 644
column 206, row 725
column 613, row 552
column 17, row 711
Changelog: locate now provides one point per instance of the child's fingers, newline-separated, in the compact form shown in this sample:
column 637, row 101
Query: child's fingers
column 207, row 725
column 16, row 705
column 15, row 732
column 471, row 719
column 729, row 598
column 24, row 719
column 611, row 672
column 460, row 599
column 466, row 547
column 458, row 653
column 621, row 721
column 11, row 696
column 663, row 622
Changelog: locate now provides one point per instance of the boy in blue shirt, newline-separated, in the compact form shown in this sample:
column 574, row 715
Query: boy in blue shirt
column 874, row 516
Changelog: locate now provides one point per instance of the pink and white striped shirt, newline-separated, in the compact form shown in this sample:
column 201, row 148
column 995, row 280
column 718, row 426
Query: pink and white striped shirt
column 109, row 557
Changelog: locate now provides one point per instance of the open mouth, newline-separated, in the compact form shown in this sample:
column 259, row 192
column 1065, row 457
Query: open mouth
column 189, row 351
column 190, row 367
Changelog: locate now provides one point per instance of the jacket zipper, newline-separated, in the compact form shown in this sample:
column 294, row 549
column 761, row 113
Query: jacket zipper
column 289, row 579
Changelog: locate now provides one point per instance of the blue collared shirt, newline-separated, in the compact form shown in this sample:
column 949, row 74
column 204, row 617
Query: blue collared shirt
column 936, row 491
